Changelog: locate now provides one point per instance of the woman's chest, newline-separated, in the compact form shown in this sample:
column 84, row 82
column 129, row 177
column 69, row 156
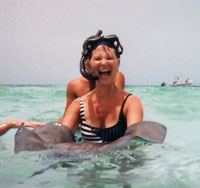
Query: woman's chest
column 102, row 116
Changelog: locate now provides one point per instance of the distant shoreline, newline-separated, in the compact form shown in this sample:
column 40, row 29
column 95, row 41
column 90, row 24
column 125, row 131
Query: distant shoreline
column 64, row 85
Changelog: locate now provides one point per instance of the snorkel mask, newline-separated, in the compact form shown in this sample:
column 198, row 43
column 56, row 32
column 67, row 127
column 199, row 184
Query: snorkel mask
column 91, row 44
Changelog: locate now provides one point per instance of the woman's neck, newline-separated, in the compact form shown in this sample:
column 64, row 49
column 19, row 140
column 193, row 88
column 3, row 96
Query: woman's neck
column 105, row 90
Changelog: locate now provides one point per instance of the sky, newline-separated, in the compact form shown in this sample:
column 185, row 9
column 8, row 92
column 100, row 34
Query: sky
column 41, row 40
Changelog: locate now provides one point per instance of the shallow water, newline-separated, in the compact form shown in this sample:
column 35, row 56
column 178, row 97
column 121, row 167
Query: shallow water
column 175, row 163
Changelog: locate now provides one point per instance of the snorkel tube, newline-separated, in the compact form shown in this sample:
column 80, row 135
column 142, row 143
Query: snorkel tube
column 91, row 43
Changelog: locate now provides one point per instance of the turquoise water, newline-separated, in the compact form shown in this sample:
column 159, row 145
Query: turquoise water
column 175, row 163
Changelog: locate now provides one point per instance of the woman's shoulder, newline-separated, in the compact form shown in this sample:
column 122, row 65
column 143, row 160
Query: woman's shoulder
column 132, row 101
column 77, row 82
column 78, row 86
column 75, row 105
column 87, row 96
column 132, row 97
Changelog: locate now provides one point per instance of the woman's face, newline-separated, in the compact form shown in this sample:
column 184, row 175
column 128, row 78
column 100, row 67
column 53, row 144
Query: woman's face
column 104, row 64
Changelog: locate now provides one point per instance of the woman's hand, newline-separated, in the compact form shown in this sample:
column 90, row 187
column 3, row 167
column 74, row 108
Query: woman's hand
column 17, row 124
column 5, row 126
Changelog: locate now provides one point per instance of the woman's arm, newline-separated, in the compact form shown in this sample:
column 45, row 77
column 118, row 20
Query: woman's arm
column 4, row 127
column 70, row 96
column 71, row 118
column 133, row 110
column 7, row 125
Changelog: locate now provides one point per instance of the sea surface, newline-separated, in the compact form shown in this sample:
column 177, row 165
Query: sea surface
column 173, row 164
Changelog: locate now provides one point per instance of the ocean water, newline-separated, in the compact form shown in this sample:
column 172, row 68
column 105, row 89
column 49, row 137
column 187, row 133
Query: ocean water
column 175, row 163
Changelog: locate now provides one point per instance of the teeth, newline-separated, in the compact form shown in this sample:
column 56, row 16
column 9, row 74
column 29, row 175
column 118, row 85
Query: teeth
column 104, row 71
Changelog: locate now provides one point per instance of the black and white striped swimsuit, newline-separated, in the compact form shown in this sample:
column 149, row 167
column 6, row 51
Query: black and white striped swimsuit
column 102, row 135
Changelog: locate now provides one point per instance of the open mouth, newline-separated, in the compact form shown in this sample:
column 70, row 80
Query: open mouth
column 104, row 72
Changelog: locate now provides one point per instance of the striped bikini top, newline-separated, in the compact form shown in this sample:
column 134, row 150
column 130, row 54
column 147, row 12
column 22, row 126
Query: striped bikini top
column 102, row 135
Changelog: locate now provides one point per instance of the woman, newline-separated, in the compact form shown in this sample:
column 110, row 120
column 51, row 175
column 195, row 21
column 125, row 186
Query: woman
column 107, row 111
column 81, row 86
column 104, row 113
column 84, row 84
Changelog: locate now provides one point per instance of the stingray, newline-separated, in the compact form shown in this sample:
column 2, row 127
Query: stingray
column 59, row 137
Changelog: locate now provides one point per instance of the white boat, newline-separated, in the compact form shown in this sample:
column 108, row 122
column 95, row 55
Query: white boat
column 177, row 82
